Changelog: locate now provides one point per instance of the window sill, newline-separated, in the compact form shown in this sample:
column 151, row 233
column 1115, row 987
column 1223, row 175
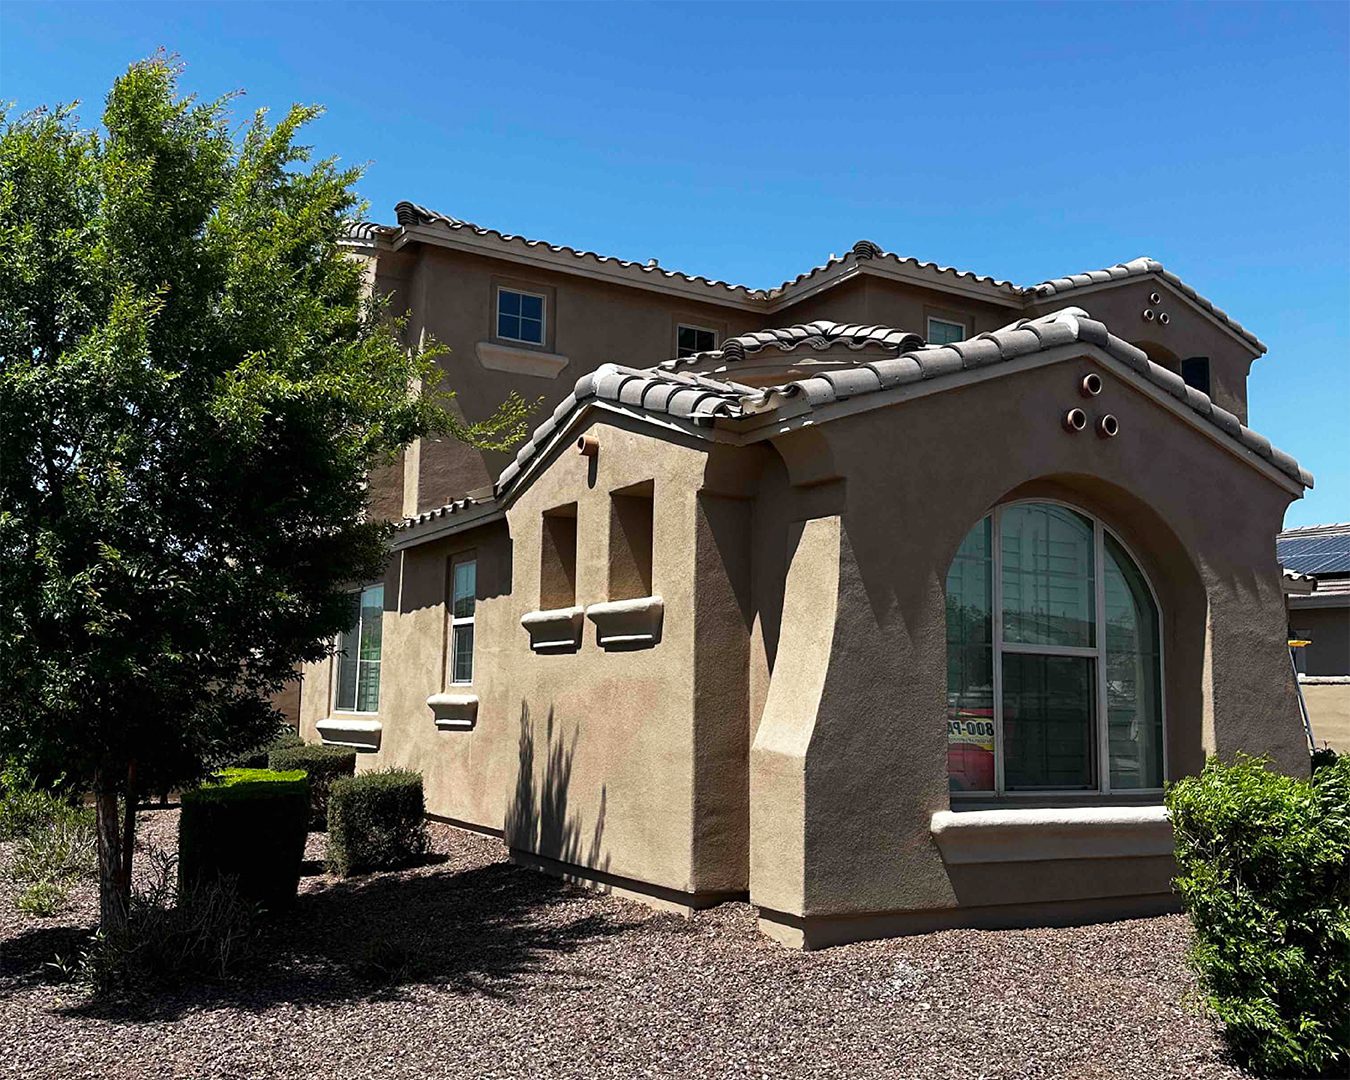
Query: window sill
column 554, row 630
column 1091, row 832
column 520, row 360
column 454, row 712
column 359, row 733
column 628, row 624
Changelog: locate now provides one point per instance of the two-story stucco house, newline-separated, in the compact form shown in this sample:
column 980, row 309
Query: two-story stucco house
column 888, row 598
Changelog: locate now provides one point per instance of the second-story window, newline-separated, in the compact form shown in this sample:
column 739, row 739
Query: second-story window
column 1195, row 371
column 520, row 316
column 694, row 339
column 944, row 331
column 463, row 597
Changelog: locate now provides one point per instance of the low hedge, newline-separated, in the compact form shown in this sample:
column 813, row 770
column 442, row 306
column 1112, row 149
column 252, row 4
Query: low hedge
column 324, row 764
column 1264, row 872
column 257, row 757
column 248, row 825
column 376, row 821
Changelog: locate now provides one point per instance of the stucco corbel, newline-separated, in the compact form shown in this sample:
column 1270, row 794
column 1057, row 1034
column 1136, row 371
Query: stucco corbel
column 357, row 732
column 554, row 630
column 454, row 712
column 628, row 624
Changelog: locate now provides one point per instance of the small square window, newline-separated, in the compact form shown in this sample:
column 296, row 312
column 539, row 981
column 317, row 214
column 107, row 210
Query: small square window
column 1195, row 372
column 944, row 331
column 694, row 339
column 520, row 316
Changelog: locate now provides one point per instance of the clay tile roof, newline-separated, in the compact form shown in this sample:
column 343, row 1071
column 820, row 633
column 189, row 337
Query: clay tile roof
column 459, row 506
column 1141, row 267
column 816, row 336
column 409, row 214
column 701, row 400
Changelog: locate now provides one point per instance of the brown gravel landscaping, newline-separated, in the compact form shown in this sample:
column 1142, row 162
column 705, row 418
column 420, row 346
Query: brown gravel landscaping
column 471, row 967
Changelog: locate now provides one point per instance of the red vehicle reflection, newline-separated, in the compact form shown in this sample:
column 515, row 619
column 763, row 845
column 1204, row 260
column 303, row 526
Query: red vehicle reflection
column 970, row 749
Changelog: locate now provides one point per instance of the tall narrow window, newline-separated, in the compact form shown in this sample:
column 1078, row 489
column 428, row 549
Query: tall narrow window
column 1195, row 372
column 463, row 597
column 1053, row 659
column 358, row 655
column 630, row 542
column 558, row 558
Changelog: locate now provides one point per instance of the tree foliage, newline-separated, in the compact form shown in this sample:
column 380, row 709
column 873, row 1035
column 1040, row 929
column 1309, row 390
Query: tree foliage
column 194, row 382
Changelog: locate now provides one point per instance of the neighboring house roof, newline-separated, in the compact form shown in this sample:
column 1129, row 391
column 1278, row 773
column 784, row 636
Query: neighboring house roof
column 864, row 256
column 701, row 401
column 1142, row 267
column 1315, row 549
column 1296, row 584
column 819, row 336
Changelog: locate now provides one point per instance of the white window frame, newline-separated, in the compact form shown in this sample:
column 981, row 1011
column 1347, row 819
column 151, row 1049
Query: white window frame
column 1098, row 652
column 456, row 623
column 965, row 330
column 693, row 326
column 336, row 678
column 543, row 318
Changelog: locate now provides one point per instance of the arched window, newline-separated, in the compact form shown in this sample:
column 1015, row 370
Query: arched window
column 1054, row 661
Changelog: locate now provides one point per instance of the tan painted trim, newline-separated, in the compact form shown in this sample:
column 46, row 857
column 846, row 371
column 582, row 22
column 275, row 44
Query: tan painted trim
column 1040, row 835
column 358, row 733
column 454, row 712
column 628, row 624
column 820, row 932
column 520, row 360
column 555, row 630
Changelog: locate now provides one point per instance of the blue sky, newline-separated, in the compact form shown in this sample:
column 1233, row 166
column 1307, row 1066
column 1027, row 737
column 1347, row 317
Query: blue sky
column 749, row 142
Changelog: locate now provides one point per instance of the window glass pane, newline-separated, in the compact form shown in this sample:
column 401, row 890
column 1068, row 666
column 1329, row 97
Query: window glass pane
column 531, row 330
column 1048, row 596
column 1047, row 721
column 1133, row 686
column 970, row 671
column 461, row 648
column 684, row 340
column 532, row 307
column 508, row 302
column 464, row 588
column 508, row 326
column 942, row 332
column 368, row 686
column 372, row 620
column 347, row 649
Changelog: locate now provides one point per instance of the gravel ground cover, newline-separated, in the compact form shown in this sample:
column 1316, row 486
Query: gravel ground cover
column 471, row 967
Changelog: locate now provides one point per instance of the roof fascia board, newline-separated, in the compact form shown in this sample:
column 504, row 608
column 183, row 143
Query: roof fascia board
column 1071, row 296
column 563, row 263
column 1078, row 350
column 426, row 532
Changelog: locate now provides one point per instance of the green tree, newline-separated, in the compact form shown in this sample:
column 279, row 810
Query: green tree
column 194, row 383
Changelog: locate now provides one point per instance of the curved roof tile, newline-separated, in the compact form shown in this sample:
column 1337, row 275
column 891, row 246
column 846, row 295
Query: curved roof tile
column 1139, row 268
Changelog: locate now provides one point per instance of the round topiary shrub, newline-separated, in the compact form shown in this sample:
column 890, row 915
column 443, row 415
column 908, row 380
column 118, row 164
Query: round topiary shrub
column 257, row 757
column 376, row 821
column 324, row 764
column 248, row 825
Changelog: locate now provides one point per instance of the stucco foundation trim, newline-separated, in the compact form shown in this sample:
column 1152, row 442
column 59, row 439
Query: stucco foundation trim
column 543, row 365
column 554, row 630
column 660, row 897
column 454, row 712
column 360, row 733
column 1094, row 832
column 1324, row 680
column 823, row 931
column 628, row 624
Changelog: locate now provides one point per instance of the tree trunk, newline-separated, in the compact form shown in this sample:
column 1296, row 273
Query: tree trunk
column 128, row 835
column 112, row 908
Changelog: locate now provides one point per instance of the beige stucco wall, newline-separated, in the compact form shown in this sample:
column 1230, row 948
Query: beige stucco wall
column 1188, row 332
column 1328, row 702
column 856, row 765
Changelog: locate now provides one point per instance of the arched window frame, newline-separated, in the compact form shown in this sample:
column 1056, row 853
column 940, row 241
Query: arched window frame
column 1098, row 652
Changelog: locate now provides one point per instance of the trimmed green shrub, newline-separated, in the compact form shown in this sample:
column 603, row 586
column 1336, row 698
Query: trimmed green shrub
column 247, row 825
column 1264, row 872
column 376, row 821
column 324, row 765
column 285, row 739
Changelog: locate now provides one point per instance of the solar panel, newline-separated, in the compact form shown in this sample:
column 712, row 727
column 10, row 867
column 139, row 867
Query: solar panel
column 1317, row 554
